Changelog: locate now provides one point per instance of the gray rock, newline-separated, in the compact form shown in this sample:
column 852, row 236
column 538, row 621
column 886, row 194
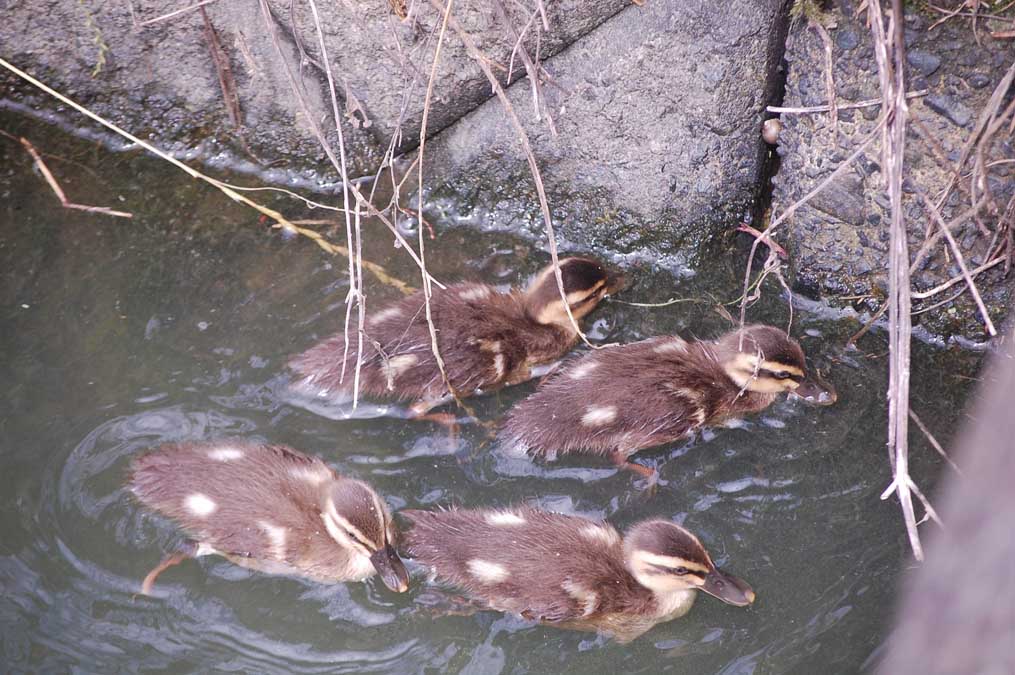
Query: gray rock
column 842, row 199
column 847, row 38
column 947, row 106
column 837, row 243
column 639, row 98
column 978, row 80
column 925, row 62
column 159, row 78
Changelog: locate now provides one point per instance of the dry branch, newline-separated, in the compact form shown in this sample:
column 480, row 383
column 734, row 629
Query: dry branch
column 523, row 138
column 58, row 191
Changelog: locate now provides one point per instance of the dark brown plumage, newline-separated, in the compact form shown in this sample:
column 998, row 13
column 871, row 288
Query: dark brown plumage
column 618, row 400
column 487, row 339
column 270, row 508
column 569, row 571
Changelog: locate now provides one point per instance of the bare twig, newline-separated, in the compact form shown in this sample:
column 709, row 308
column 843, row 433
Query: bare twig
column 224, row 71
column 826, row 40
column 315, row 128
column 933, row 441
column 230, row 191
column 920, row 295
column 841, row 106
column 767, row 233
column 889, row 52
column 427, row 292
column 960, row 259
column 177, row 12
column 58, row 191
column 523, row 138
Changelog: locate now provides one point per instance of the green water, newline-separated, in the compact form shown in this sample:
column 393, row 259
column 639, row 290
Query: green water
column 118, row 335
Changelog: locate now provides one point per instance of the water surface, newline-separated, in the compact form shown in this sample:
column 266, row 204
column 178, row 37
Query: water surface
column 119, row 335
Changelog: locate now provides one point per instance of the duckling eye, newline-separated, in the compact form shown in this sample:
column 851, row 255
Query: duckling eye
column 681, row 571
column 781, row 375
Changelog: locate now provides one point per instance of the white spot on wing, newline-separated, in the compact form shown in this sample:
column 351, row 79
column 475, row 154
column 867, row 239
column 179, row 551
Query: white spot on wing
column 600, row 533
column 487, row 571
column 277, row 536
column 314, row 475
column 582, row 369
column 397, row 365
column 200, row 505
column 498, row 365
column 504, row 518
column 673, row 345
column 588, row 599
column 385, row 314
column 597, row 415
column 475, row 293
column 226, row 454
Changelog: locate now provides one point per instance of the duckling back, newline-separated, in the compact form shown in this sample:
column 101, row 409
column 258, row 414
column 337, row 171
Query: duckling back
column 542, row 566
column 486, row 338
column 260, row 505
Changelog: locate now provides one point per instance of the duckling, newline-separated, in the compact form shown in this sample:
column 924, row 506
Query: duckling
column 619, row 400
column 486, row 338
column 568, row 571
column 269, row 508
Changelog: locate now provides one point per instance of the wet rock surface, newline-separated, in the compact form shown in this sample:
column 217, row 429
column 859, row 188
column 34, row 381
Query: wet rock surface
column 838, row 242
column 159, row 79
column 657, row 120
column 657, row 107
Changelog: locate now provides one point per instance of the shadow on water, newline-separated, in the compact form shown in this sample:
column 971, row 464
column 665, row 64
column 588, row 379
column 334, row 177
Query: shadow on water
column 120, row 335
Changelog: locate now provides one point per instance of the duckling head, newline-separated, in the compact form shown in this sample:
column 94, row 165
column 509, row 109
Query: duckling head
column 586, row 282
column 358, row 520
column 668, row 560
column 765, row 360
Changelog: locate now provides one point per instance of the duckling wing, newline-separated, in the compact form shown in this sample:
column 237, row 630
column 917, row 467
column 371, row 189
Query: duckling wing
column 484, row 336
column 240, row 499
column 622, row 398
column 543, row 566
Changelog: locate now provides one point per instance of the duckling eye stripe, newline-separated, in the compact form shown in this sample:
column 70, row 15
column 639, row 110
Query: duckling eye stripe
column 792, row 376
column 775, row 366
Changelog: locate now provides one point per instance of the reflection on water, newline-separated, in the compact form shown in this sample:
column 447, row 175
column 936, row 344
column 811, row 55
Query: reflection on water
column 177, row 326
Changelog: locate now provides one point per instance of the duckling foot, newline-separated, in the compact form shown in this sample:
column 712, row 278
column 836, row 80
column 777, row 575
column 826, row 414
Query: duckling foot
column 439, row 603
column 650, row 475
column 189, row 551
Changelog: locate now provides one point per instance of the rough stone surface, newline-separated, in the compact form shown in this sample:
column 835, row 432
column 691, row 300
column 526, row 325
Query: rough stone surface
column 658, row 114
column 159, row 79
column 838, row 243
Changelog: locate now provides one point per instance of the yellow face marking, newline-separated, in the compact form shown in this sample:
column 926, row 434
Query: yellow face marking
column 671, row 562
column 337, row 527
column 776, row 367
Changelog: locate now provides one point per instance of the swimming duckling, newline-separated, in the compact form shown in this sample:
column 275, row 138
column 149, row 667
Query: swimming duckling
column 569, row 571
column 486, row 338
column 618, row 400
column 269, row 508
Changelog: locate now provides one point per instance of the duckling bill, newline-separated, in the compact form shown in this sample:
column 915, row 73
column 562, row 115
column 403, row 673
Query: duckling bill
column 269, row 508
column 571, row 572
column 617, row 401
column 486, row 338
